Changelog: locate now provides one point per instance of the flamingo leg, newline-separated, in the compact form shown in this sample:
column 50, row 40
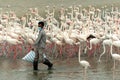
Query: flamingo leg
column 104, row 49
column 21, row 49
column 85, row 77
column 1, row 50
column 61, row 51
column 15, row 52
column 114, row 70
column 96, row 50
column 17, row 48
column 55, row 50
column 9, row 50
column 108, row 56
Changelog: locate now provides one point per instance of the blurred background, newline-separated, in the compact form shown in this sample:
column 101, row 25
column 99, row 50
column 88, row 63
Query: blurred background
column 21, row 6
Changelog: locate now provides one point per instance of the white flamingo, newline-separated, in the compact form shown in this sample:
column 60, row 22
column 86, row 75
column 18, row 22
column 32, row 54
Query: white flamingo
column 116, row 57
column 84, row 63
column 94, row 41
column 110, row 42
column 105, row 42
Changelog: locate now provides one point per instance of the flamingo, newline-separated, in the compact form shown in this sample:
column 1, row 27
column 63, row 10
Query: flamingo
column 110, row 42
column 94, row 41
column 84, row 63
column 12, row 42
column 116, row 57
column 105, row 42
column 79, row 19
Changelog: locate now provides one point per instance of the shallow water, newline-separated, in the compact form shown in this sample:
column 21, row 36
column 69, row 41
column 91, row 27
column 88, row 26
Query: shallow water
column 68, row 69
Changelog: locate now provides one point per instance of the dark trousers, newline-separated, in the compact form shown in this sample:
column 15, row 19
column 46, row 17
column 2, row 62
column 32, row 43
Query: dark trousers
column 40, row 59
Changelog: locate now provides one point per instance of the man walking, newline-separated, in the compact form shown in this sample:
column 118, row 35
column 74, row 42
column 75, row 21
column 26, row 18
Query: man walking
column 39, row 47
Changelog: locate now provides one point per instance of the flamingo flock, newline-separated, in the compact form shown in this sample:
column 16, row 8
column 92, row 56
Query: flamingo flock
column 67, row 35
column 74, row 25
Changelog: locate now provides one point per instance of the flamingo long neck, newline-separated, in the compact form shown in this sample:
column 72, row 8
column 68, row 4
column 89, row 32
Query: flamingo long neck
column 90, row 46
column 70, row 29
column 99, row 15
column 27, row 19
column 53, row 11
column 79, row 53
column 104, row 49
column 111, row 49
column 0, row 13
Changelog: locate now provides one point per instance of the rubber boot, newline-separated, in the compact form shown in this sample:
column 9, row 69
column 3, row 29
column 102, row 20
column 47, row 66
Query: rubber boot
column 35, row 65
column 48, row 63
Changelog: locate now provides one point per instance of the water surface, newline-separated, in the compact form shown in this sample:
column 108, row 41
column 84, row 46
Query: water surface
column 69, row 69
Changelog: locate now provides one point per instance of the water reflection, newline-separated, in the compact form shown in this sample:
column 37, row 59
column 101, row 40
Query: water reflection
column 42, row 75
column 21, row 70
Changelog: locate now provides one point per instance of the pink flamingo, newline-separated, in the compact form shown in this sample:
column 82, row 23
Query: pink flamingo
column 84, row 63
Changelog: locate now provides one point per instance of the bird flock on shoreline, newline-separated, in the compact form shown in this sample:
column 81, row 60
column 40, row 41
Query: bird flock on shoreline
column 65, row 34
